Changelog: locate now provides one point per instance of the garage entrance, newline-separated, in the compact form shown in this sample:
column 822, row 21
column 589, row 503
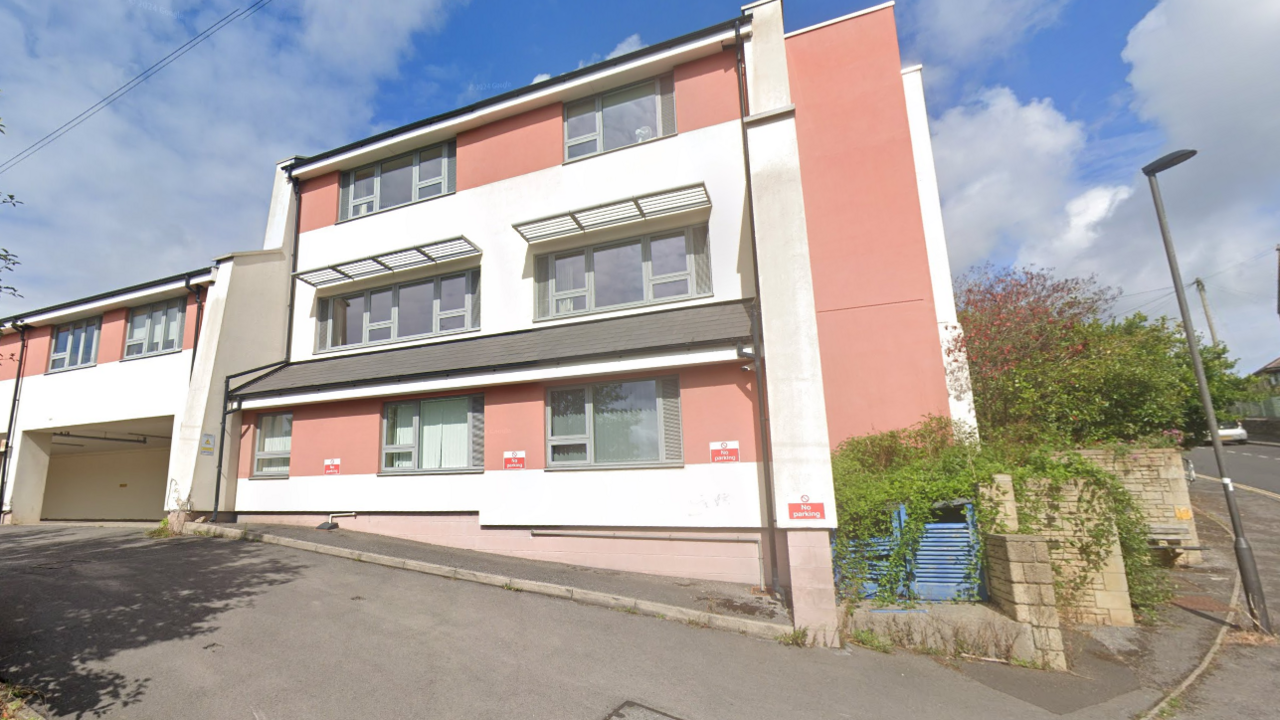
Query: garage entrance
column 110, row 471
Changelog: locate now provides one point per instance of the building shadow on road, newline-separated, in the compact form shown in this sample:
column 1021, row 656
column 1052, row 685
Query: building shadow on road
column 71, row 598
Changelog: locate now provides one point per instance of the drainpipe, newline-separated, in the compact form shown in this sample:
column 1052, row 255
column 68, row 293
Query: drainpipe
column 222, row 435
column 195, row 344
column 13, row 413
column 757, row 336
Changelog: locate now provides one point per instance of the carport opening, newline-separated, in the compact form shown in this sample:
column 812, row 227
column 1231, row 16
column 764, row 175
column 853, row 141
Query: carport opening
column 111, row 471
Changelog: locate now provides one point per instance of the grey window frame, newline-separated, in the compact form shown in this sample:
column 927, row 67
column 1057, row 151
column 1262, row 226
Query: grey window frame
column 470, row 310
column 54, row 355
column 347, row 204
column 669, row 412
column 690, row 273
column 163, row 305
column 664, row 102
column 259, row 454
column 475, row 437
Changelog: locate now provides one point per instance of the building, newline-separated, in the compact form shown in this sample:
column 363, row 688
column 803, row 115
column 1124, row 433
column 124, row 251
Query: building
column 618, row 318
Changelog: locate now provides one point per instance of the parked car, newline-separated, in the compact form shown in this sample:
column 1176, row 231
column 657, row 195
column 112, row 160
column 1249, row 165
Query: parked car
column 1233, row 432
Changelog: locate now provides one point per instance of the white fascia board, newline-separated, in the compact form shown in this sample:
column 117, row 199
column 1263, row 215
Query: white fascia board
column 137, row 297
column 604, row 80
column 842, row 18
column 503, row 377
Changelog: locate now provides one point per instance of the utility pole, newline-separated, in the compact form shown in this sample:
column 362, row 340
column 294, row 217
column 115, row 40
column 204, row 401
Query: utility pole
column 1204, row 302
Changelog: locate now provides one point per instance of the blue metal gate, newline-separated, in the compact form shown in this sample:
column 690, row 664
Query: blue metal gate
column 944, row 567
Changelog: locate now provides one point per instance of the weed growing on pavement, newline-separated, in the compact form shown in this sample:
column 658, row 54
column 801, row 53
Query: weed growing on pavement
column 870, row 640
column 796, row 638
column 13, row 699
column 161, row 531
column 512, row 588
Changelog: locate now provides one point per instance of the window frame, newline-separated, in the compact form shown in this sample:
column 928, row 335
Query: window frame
column 475, row 436
column 348, row 202
column 649, row 279
column 181, row 304
column 664, row 460
column 325, row 312
column 259, row 454
column 54, row 355
column 598, row 134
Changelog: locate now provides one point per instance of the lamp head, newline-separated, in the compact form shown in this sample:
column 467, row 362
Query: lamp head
column 1176, row 157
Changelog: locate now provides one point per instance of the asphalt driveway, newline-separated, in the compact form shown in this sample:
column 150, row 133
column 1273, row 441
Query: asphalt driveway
column 111, row 624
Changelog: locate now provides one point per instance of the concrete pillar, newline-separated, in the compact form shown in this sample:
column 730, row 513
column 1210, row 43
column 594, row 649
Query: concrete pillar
column 28, row 473
column 804, row 495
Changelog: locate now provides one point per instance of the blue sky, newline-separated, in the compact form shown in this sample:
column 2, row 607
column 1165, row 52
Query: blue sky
column 1041, row 112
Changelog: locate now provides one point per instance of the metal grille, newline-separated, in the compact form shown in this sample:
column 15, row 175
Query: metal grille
column 542, row 283
column 389, row 262
column 701, row 261
column 641, row 207
column 477, row 431
column 667, row 103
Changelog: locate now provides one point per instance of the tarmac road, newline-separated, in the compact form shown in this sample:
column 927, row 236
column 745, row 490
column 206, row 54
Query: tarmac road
column 1252, row 464
column 108, row 623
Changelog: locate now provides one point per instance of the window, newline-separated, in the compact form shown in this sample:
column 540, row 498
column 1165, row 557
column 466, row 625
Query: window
column 275, row 435
column 450, row 303
column 634, row 114
column 155, row 329
column 419, row 175
column 439, row 434
column 651, row 269
column 75, row 344
column 632, row 422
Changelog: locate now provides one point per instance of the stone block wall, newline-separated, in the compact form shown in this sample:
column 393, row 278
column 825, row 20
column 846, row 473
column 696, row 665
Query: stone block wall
column 1020, row 581
column 1101, row 598
column 1155, row 479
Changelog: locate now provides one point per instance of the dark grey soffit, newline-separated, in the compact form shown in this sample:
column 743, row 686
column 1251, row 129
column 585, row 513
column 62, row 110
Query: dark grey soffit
column 701, row 325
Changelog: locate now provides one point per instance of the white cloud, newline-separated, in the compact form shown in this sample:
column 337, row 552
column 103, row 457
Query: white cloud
column 180, row 169
column 1003, row 171
column 630, row 44
column 951, row 36
column 1201, row 74
column 540, row 77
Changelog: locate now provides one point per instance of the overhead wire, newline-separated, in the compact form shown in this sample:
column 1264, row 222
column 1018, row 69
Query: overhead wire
column 137, row 80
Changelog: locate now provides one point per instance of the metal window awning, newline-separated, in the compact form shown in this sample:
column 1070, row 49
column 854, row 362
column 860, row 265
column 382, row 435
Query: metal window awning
column 635, row 209
column 389, row 262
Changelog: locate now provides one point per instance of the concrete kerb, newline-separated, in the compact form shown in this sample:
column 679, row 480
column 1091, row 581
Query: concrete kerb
column 753, row 628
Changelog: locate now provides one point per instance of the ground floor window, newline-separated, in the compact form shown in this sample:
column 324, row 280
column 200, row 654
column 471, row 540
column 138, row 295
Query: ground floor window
column 436, row 434
column 628, row 422
column 275, row 439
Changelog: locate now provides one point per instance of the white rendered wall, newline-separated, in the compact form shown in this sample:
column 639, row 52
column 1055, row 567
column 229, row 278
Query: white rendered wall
column 724, row 495
column 485, row 215
column 959, row 389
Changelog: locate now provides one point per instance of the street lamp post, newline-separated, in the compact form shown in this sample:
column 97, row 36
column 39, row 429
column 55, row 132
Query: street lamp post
column 1244, row 552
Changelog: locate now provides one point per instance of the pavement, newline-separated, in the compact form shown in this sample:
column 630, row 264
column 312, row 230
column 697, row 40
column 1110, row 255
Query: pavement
column 1241, row 682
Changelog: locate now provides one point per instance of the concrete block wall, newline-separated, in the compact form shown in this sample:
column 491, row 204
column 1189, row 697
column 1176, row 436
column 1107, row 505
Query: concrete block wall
column 1155, row 479
column 1020, row 581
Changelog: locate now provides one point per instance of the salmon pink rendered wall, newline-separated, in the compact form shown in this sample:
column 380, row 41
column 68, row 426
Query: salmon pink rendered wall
column 707, row 91
column 38, row 346
column 319, row 203
column 111, row 341
column 877, row 329
column 717, row 404
column 10, row 345
column 517, row 145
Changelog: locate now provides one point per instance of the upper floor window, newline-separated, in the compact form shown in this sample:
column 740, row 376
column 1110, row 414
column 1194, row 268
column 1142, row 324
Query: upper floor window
column 449, row 303
column 639, row 271
column 155, row 329
column 437, row 434
column 75, row 344
column 419, row 175
column 275, row 442
column 619, row 118
column 615, row 423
